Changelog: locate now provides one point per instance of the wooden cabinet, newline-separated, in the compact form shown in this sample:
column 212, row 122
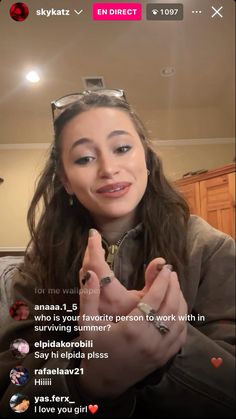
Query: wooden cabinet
column 212, row 196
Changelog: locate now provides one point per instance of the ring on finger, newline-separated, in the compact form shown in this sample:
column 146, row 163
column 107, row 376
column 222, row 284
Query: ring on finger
column 149, row 311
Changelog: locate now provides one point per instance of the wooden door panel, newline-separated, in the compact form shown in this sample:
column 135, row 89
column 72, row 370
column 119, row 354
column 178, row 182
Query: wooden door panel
column 213, row 218
column 226, row 221
column 216, row 203
column 212, row 196
column 191, row 194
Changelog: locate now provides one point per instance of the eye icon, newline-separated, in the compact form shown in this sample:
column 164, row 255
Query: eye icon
column 154, row 11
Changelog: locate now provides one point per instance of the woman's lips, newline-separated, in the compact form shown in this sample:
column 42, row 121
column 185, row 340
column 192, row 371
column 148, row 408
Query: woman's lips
column 114, row 189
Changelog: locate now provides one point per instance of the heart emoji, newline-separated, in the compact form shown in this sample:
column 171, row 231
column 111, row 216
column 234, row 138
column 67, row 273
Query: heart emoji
column 216, row 362
column 93, row 408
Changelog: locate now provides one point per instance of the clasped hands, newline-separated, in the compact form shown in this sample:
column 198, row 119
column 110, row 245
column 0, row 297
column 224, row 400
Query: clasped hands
column 115, row 299
column 135, row 349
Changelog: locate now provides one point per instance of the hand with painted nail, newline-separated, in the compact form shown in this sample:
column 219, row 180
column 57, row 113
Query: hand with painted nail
column 135, row 346
column 115, row 298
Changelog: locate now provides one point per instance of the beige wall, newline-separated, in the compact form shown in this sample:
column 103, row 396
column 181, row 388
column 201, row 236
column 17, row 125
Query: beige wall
column 168, row 124
column 20, row 168
column 183, row 159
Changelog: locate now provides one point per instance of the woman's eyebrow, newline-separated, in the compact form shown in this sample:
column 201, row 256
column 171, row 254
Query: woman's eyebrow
column 117, row 132
column 85, row 140
column 80, row 141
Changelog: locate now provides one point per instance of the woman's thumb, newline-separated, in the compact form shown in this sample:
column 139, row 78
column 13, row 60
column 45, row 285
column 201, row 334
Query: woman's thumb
column 96, row 255
column 95, row 244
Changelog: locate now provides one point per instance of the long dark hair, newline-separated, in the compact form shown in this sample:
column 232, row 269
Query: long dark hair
column 58, row 240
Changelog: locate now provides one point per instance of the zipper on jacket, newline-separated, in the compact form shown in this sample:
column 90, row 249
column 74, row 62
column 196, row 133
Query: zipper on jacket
column 112, row 251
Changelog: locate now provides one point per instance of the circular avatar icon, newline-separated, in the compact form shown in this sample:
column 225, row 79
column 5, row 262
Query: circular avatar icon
column 19, row 348
column 19, row 375
column 19, row 11
column 19, row 310
column 19, row 402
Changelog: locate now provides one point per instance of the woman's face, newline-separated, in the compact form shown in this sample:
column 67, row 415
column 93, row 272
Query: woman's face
column 104, row 162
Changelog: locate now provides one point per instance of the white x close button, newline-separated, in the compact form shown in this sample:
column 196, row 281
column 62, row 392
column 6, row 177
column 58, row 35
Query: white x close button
column 217, row 11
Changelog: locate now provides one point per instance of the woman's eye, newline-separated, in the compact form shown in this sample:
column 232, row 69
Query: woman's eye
column 123, row 149
column 84, row 160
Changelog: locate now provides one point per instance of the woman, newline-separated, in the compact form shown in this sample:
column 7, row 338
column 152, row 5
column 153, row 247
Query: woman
column 110, row 214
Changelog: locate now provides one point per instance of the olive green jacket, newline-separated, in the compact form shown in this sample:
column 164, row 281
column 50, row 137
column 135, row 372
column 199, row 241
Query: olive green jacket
column 193, row 384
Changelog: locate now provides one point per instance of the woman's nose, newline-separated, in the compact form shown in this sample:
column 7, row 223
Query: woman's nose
column 108, row 167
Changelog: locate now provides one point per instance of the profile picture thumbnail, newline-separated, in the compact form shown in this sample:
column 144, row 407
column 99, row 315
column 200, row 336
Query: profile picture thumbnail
column 19, row 311
column 19, row 403
column 19, row 375
column 19, row 11
column 19, row 348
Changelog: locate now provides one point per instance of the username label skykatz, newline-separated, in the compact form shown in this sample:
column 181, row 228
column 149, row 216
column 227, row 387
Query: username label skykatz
column 52, row 12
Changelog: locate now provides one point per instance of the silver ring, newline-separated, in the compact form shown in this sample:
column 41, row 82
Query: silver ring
column 163, row 329
column 107, row 279
column 149, row 311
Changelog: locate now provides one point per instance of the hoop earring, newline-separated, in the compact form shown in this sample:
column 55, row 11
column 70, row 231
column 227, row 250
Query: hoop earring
column 148, row 172
column 71, row 201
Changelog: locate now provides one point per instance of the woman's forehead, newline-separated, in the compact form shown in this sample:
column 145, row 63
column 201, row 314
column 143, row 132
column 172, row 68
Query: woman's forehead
column 97, row 124
column 98, row 121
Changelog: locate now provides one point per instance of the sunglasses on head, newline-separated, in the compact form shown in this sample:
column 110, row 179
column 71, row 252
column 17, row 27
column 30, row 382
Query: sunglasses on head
column 59, row 105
